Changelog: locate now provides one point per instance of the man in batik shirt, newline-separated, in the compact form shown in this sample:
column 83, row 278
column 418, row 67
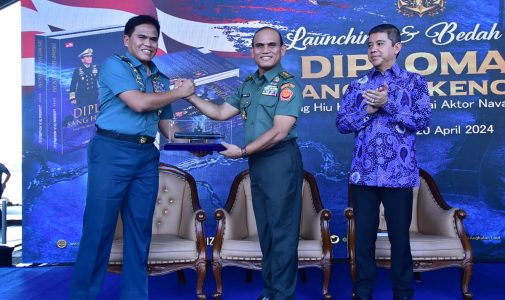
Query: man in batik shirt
column 384, row 109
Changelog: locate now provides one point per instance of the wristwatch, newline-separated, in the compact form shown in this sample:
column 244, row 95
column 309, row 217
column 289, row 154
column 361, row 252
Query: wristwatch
column 243, row 151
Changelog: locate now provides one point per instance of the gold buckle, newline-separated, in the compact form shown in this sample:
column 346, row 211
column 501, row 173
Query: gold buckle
column 143, row 140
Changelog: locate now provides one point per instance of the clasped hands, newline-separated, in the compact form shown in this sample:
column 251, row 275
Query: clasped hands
column 376, row 99
column 185, row 86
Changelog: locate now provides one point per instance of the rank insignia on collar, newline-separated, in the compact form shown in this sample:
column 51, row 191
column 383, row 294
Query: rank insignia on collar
column 276, row 79
column 286, row 94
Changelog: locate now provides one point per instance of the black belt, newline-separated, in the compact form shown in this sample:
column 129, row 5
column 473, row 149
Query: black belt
column 141, row 139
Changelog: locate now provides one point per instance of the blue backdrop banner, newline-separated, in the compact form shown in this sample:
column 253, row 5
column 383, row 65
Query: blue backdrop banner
column 457, row 45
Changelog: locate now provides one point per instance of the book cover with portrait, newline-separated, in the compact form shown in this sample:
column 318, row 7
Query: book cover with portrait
column 67, row 65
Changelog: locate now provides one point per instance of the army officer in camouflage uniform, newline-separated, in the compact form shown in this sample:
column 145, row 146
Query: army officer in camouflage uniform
column 269, row 101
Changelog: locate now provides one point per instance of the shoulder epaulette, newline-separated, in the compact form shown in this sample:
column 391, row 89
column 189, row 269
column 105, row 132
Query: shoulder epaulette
column 250, row 77
column 285, row 75
column 127, row 60
column 138, row 77
column 122, row 57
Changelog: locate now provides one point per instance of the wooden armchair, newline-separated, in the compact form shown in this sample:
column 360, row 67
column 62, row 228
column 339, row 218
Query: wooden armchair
column 236, row 242
column 437, row 236
column 178, row 240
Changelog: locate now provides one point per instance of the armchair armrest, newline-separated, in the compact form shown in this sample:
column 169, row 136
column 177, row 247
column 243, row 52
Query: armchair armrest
column 316, row 225
column 220, row 216
column 227, row 227
column 349, row 213
column 199, row 216
column 313, row 225
column 325, row 216
column 195, row 227
column 438, row 222
column 351, row 243
column 458, row 217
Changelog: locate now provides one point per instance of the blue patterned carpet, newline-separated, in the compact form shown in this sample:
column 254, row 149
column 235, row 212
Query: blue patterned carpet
column 53, row 282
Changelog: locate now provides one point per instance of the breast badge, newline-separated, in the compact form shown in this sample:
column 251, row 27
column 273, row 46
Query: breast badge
column 270, row 90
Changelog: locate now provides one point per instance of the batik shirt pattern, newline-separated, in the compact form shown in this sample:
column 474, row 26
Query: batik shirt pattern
column 384, row 150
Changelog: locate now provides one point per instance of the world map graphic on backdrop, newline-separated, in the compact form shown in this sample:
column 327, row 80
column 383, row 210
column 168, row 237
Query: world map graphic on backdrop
column 460, row 54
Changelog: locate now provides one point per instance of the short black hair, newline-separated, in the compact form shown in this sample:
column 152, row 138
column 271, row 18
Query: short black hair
column 264, row 28
column 129, row 28
column 392, row 31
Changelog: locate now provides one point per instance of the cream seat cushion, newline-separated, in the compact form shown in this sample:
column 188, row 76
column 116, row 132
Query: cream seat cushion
column 424, row 247
column 164, row 249
column 249, row 249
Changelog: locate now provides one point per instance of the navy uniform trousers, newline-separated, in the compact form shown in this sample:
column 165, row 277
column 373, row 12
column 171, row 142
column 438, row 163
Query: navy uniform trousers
column 122, row 176
column 398, row 214
column 276, row 186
